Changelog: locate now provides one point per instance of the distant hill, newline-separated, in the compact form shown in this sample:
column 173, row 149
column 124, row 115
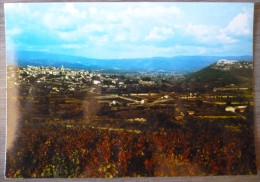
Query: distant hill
column 178, row 65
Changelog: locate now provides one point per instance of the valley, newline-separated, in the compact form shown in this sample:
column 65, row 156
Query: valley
column 84, row 123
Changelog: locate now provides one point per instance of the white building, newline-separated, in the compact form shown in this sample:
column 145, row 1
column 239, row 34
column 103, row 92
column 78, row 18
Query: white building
column 230, row 109
column 96, row 82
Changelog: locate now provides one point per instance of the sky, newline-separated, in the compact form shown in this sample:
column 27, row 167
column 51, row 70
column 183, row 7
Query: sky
column 130, row 30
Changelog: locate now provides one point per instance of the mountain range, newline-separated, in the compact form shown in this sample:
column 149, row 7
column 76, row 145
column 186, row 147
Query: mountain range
column 177, row 65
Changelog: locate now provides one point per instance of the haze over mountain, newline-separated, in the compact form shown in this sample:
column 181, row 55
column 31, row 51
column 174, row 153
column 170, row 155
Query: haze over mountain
column 177, row 65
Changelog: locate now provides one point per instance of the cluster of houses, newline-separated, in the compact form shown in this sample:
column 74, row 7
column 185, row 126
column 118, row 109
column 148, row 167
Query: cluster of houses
column 75, row 80
column 226, row 65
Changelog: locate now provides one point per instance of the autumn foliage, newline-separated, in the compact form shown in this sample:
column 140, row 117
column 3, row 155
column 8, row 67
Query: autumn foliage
column 58, row 151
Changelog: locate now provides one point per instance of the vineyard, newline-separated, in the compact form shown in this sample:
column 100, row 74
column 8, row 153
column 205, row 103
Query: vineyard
column 54, row 150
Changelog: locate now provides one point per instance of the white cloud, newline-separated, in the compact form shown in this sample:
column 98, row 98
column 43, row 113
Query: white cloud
column 159, row 34
column 67, row 17
column 72, row 11
column 239, row 25
column 201, row 50
column 129, row 23
column 71, row 46
column 53, row 22
column 148, row 11
column 120, row 37
column 198, row 30
column 145, row 16
column 13, row 31
column 225, row 39
column 82, row 32
column 209, row 34
column 17, row 8
column 99, row 40
column 93, row 10
column 134, row 51
column 92, row 26
column 202, row 33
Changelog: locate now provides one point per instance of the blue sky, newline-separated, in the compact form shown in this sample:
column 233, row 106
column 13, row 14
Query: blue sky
column 130, row 30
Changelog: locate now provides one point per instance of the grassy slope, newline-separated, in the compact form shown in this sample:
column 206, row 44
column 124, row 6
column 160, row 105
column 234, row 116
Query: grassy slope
column 208, row 78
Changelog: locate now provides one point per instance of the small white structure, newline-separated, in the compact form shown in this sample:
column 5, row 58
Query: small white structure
column 96, row 82
column 190, row 112
column 241, row 108
column 143, row 101
column 114, row 102
column 166, row 96
column 230, row 109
